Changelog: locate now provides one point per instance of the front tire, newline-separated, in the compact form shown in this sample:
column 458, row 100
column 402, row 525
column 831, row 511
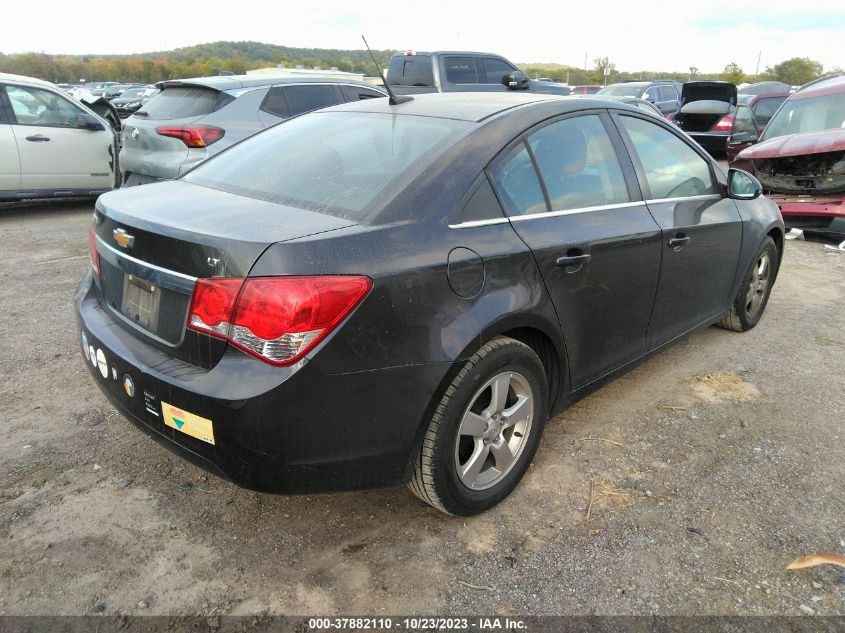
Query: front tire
column 753, row 294
column 485, row 430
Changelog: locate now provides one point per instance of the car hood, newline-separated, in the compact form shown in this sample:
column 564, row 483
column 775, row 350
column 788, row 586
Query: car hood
column 797, row 145
column 708, row 91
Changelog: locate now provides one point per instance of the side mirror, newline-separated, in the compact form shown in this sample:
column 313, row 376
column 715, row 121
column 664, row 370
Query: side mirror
column 87, row 122
column 742, row 137
column 517, row 80
column 742, row 185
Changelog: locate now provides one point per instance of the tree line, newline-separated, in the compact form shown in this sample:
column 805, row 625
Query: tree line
column 238, row 57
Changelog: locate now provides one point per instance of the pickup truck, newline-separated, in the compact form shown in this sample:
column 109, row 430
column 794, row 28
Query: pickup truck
column 414, row 72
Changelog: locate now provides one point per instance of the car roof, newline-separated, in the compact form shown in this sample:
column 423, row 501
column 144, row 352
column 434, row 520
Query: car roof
column 462, row 106
column 230, row 82
column 820, row 87
column 20, row 79
column 473, row 106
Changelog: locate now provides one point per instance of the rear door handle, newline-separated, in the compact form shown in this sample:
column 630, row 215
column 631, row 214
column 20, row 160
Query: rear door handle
column 679, row 241
column 38, row 137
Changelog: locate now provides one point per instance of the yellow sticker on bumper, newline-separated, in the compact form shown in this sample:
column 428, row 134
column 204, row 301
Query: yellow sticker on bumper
column 187, row 423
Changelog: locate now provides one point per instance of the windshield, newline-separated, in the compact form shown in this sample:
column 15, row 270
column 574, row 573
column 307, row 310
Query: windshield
column 623, row 90
column 807, row 115
column 332, row 162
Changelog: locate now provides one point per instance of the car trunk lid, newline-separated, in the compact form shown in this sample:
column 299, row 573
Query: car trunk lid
column 704, row 104
column 153, row 248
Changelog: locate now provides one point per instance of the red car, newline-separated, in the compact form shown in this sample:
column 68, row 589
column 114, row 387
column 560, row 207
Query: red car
column 753, row 113
column 800, row 159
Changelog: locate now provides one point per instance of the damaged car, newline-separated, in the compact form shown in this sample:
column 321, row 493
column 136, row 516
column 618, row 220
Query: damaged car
column 800, row 158
column 707, row 113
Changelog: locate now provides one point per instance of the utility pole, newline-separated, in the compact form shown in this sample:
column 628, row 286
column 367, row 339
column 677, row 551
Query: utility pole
column 759, row 55
column 585, row 60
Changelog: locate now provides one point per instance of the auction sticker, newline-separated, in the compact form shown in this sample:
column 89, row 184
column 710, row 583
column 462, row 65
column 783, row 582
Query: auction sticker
column 187, row 423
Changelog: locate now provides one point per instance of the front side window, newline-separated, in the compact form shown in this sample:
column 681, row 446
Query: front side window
column 652, row 93
column 496, row 69
column 578, row 164
column 516, row 180
column 744, row 122
column 461, row 70
column 672, row 168
column 765, row 109
column 34, row 106
column 667, row 93
column 312, row 97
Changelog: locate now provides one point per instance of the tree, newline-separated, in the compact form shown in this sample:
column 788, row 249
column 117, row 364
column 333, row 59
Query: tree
column 733, row 73
column 693, row 71
column 600, row 63
column 795, row 71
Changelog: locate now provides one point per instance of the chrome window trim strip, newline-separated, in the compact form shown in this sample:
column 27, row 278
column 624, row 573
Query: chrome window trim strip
column 474, row 223
column 562, row 212
column 160, row 276
column 708, row 196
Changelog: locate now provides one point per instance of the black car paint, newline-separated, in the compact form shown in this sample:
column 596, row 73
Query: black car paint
column 714, row 141
column 352, row 413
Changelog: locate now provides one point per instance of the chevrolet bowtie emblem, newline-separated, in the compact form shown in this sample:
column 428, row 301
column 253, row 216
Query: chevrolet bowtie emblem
column 123, row 238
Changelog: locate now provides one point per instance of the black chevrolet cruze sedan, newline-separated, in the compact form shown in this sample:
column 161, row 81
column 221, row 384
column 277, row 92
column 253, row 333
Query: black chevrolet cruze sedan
column 376, row 294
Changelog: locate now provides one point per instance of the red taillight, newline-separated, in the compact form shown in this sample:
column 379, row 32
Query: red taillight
column 725, row 124
column 193, row 135
column 277, row 319
column 92, row 250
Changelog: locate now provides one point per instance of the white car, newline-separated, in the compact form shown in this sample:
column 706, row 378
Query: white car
column 50, row 145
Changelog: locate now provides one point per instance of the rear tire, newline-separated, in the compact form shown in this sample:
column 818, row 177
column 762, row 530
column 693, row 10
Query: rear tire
column 753, row 295
column 485, row 430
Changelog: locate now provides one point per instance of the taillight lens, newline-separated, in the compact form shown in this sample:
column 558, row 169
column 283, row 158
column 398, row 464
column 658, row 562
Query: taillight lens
column 92, row 250
column 193, row 135
column 276, row 319
column 725, row 124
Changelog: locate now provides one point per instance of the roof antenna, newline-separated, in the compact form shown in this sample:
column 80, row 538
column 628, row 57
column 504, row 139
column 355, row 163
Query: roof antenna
column 393, row 100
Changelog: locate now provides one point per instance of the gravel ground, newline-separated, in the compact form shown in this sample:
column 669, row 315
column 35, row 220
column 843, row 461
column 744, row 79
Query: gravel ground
column 711, row 467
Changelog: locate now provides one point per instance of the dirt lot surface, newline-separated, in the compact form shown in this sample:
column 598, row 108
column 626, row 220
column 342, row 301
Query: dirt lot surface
column 712, row 466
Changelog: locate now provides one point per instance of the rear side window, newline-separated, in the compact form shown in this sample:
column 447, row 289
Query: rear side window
column 275, row 103
column 578, row 164
column 496, row 69
column 359, row 93
column 517, row 183
column 482, row 205
column 185, row 102
column 461, row 70
column 310, row 97
column 672, row 168
column 410, row 70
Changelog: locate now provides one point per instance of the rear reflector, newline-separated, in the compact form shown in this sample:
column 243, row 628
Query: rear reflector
column 725, row 124
column 193, row 135
column 92, row 250
column 276, row 319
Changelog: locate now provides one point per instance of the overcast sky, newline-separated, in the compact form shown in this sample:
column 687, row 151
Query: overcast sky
column 635, row 35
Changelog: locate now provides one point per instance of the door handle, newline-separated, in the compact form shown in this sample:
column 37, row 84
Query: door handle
column 679, row 241
column 38, row 137
column 573, row 261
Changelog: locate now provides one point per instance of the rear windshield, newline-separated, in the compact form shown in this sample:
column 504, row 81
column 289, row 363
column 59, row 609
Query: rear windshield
column 807, row 115
column 338, row 163
column 410, row 70
column 185, row 102
column 623, row 90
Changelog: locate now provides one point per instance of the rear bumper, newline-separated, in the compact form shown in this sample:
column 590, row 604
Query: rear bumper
column 824, row 215
column 283, row 430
